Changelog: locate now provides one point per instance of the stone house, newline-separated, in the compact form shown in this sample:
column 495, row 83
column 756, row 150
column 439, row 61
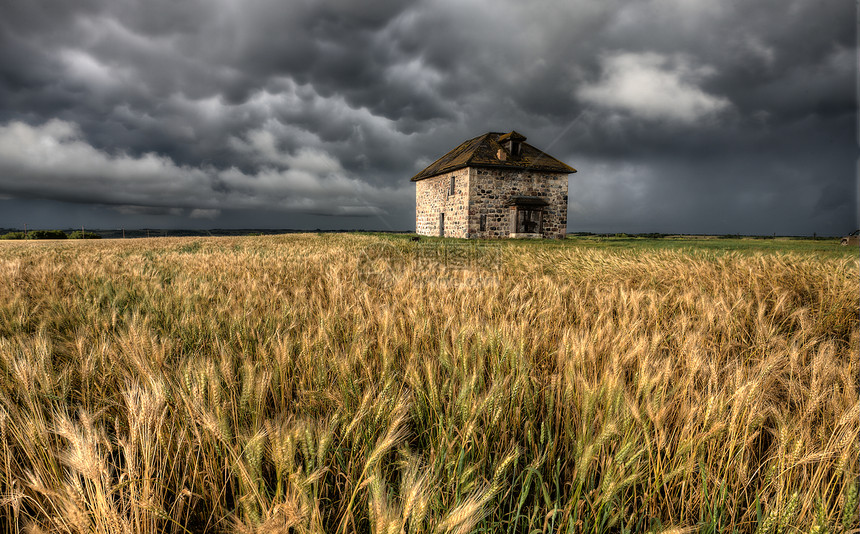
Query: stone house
column 495, row 185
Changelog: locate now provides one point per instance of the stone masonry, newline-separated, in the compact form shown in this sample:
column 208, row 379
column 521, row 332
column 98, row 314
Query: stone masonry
column 433, row 196
column 486, row 192
column 477, row 189
column 490, row 190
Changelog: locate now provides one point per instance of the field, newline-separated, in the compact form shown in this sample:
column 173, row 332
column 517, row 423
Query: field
column 368, row 383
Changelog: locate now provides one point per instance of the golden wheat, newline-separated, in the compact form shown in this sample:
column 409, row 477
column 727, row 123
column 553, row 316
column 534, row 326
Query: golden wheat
column 348, row 383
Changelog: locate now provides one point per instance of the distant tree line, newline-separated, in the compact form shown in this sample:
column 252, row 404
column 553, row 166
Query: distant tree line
column 50, row 234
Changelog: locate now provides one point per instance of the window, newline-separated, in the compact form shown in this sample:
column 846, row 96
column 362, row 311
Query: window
column 452, row 188
column 482, row 225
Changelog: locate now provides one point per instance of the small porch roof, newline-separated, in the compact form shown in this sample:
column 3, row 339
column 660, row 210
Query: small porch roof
column 527, row 201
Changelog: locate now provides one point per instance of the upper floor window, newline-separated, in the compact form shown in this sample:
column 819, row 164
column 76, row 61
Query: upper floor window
column 452, row 188
column 512, row 142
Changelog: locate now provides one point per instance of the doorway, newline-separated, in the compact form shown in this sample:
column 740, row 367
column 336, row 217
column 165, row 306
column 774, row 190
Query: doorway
column 527, row 215
column 529, row 220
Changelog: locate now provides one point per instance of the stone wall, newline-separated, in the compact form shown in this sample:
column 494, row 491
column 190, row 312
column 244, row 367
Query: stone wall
column 491, row 189
column 432, row 196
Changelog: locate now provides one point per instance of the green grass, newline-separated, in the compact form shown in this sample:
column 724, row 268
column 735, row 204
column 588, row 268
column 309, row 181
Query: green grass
column 827, row 247
column 824, row 247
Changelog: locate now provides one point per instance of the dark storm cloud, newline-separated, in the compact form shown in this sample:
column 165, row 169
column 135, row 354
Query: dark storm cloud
column 680, row 115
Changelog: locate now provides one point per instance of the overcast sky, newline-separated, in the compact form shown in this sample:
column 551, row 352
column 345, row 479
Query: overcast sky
column 680, row 115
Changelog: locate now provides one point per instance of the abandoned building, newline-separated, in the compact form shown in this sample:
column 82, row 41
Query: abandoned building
column 495, row 185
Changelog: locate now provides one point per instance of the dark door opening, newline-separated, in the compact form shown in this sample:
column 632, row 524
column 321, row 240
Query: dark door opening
column 441, row 225
column 526, row 214
column 529, row 220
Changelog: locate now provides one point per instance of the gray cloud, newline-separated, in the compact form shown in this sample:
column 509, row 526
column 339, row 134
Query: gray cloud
column 655, row 87
column 680, row 115
column 53, row 161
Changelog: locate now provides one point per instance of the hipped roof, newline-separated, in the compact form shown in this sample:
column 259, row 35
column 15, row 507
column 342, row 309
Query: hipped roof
column 483, row 151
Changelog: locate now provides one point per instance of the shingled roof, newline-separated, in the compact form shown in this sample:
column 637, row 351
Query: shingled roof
column 483, row 151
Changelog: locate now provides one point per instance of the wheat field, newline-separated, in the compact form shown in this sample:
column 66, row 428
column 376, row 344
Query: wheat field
column 370, row 384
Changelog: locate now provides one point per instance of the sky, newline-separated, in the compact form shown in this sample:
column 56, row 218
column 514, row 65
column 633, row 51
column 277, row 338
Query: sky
column 681, row 116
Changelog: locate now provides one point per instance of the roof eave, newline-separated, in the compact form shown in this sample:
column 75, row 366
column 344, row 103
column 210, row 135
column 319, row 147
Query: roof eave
column 526, row 167
column 418, row 177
